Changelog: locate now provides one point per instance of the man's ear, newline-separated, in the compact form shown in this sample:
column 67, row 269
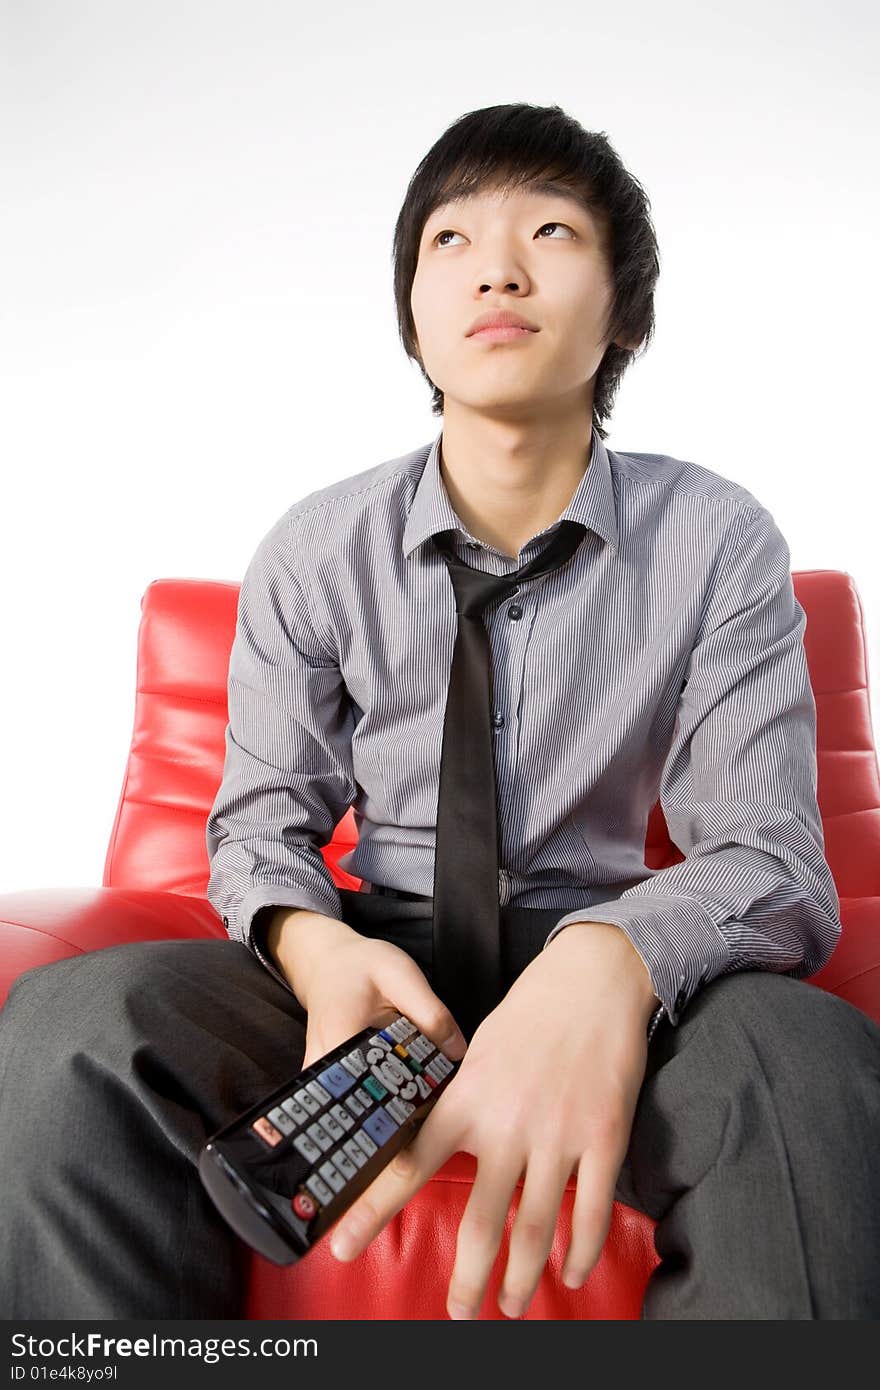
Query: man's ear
column 630, row 346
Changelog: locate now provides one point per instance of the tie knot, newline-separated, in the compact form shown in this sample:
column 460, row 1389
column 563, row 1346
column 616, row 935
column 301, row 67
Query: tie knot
column 475, row 589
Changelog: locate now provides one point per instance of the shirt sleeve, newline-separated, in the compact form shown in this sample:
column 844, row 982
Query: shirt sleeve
column 287, row 775
column 738, row 792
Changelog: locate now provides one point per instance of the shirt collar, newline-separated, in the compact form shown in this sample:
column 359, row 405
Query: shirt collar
column 592, row 503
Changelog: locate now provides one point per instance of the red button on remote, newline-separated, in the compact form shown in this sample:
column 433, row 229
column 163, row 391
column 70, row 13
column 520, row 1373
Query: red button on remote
column 304, row 1205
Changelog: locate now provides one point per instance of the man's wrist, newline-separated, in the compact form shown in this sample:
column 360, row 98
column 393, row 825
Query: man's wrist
column 611, row 933
column 292, row 937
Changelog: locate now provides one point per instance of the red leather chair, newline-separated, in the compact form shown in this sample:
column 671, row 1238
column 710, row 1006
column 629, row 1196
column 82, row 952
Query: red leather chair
column 156, row 873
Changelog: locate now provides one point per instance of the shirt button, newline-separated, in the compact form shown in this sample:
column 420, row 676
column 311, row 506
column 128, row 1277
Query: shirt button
column 514, row 611
column 473, row 545
column 498, row 719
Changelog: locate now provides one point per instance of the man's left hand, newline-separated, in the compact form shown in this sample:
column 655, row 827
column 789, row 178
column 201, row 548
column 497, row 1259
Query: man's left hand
column 548, row 1085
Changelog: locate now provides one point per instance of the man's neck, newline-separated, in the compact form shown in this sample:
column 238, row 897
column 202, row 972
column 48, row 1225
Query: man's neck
column 508, row 482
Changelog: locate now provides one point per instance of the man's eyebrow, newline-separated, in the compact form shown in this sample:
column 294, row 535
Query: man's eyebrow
column 547, row 188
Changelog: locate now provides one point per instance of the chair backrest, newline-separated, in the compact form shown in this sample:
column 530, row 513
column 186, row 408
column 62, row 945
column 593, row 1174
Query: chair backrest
column 176, row 758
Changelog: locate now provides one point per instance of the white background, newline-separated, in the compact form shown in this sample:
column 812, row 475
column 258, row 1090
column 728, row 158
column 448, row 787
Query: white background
column 198, row 324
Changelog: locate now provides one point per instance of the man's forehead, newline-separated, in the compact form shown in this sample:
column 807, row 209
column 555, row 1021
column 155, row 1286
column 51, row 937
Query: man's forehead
column 532, row 192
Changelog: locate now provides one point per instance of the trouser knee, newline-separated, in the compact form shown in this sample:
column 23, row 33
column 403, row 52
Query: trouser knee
column 789, row 1059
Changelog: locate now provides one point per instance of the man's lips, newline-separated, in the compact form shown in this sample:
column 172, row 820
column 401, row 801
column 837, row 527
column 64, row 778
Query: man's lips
column 500, row 318
column 503, row 334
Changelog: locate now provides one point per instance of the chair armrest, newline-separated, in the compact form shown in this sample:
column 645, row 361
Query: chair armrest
column 853, row 972
column 47, row 924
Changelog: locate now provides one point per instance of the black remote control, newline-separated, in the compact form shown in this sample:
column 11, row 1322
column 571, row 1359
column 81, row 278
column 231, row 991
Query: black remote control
column 286, row 1170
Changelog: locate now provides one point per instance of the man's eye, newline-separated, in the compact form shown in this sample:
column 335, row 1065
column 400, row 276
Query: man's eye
column 448, row 232
column 445, row 233
column 556, row 224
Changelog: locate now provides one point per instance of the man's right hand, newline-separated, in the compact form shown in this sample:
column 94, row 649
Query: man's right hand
column 347, row 982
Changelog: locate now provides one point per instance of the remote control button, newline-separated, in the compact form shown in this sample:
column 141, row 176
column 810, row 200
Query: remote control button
column 389, row 1037
column 317, row 1185
column 355, row 1152
column 365, row 1142
column 433, row 1070
column 396, row 1069
column 420, row 1048
column 379, row 1040
column 344, row 1163
column 342, row 1116
column 401, row 1051
column 375, row 1088
column 385, row 1076
column 400, row 1109
column 315, row 1089
column 443, row 1062
column 424, row 1087
column 380, row 1125
column 336, row 1080
column 332, row 1125
column 356, row 1106
column 331, row 1174
column 365, row 1099
column 304, row 1205
column 296, row 1112
column 355, row 1062
column 409, row 1091
column 267, row 1131
column 320, row 1136
column 307, row 1147
column 307, row 1101
column 281, row 1120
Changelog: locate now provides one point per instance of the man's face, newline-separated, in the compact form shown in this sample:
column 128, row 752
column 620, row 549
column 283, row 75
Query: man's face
column 537, row 254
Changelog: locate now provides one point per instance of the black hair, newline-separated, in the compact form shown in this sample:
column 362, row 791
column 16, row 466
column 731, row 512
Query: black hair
column 516, row 146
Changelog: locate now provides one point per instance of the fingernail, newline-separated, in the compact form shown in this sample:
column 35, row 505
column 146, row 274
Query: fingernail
column 454, row 1046
column 343, row 1245
column 458, row 1310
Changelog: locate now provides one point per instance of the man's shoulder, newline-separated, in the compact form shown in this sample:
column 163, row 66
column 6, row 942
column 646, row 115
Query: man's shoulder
column 681, row 478
column 375, row 488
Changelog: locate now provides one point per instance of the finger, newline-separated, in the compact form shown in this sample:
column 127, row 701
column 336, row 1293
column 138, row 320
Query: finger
column 328, row 1026
column 481, row 1229
column 534, row 1226
column 391, row 1189
column 406, row 989
column 397, row 986
column 591, row 1217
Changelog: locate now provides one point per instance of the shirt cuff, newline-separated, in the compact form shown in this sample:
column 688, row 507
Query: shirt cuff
column 248, row 927
column 676, row 938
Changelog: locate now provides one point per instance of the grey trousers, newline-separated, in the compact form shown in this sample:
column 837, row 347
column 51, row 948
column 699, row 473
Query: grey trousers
column 755, row 1144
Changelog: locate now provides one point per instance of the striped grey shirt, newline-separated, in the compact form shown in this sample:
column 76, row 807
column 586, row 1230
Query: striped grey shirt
column 666, row 658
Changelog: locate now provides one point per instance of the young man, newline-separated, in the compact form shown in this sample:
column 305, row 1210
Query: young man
column 667, row 654
column 661, row 652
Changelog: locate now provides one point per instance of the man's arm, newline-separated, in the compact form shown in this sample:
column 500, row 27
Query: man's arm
column 287, row 776
column 738, row 791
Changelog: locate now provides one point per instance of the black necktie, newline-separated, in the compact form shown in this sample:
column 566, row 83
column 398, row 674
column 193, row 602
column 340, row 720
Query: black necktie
column 466, row 972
